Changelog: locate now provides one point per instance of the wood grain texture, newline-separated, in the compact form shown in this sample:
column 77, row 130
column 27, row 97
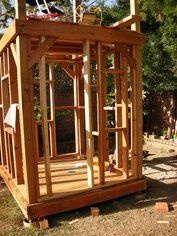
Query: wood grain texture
column 78, row 32
column 45, row 132
column 26, row 122
column 88, row 113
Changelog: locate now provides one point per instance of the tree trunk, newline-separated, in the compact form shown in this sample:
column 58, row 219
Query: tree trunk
column 172, row 115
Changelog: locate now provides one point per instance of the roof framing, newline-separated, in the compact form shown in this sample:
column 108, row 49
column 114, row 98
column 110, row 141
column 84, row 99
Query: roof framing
column 70, row 32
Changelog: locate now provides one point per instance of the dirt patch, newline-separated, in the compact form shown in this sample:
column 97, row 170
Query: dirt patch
column 131, row 215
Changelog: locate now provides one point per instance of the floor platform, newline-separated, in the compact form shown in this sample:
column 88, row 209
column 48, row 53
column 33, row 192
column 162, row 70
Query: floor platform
column 70, row 189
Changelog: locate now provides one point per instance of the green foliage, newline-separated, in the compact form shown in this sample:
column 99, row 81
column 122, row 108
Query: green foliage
column 160, row 50
column 169, row 29
column 113, row 13
column 6, row 13
column 157, row 66
column 63, row 83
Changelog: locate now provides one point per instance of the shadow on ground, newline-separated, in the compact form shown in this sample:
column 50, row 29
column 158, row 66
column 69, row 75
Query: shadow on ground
column 160, row 187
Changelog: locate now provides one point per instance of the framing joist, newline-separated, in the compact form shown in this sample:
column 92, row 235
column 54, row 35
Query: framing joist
column 69, row 31
column 126, row 22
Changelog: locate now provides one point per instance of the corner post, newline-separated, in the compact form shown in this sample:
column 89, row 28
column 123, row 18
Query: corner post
column 25, row 109
column 134, row 8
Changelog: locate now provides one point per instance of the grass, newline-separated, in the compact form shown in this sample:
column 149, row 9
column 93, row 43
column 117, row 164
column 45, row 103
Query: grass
column 127, row 216
column 11, row 218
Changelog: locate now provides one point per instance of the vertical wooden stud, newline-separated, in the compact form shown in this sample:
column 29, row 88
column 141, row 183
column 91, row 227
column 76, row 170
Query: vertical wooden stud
column 2, row 138
column 52, row 112
column 101, row 116
column 133, row 107
column 45, row 134
column 5, row 101
column 16, row 142
column 81, row 111
column 125, row 139
column 88, row 113
column 118, row 112
column 76, row 110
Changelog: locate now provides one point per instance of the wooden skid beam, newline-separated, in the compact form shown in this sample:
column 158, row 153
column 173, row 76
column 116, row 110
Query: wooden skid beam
column 69, row 31
column 84, row 199
column 126, row 22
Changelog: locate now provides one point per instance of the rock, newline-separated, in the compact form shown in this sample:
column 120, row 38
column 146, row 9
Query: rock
column 162, row 207
column 95, row 211
column 43, row 224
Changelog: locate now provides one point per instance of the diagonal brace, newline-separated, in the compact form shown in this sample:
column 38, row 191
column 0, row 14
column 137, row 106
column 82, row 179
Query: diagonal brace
column 123, row 50
column 68, row 71
column 40, row 51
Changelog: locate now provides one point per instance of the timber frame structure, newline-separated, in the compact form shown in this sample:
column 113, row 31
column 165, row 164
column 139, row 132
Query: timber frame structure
column 56, row 182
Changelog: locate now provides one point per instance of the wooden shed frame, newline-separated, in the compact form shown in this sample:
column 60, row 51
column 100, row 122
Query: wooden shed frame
column 30, row 42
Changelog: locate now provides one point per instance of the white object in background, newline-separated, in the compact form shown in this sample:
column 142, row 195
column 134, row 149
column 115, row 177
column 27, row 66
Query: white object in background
column 80, row 165
column 11, row 116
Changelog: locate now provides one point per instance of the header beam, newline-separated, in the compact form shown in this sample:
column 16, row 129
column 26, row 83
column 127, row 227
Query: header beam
column 78, row 32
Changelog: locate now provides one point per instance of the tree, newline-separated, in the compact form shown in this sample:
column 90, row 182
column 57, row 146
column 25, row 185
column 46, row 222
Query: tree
column 6, row 13
column 159, row 54
column 160, row 51
column 111, row 14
